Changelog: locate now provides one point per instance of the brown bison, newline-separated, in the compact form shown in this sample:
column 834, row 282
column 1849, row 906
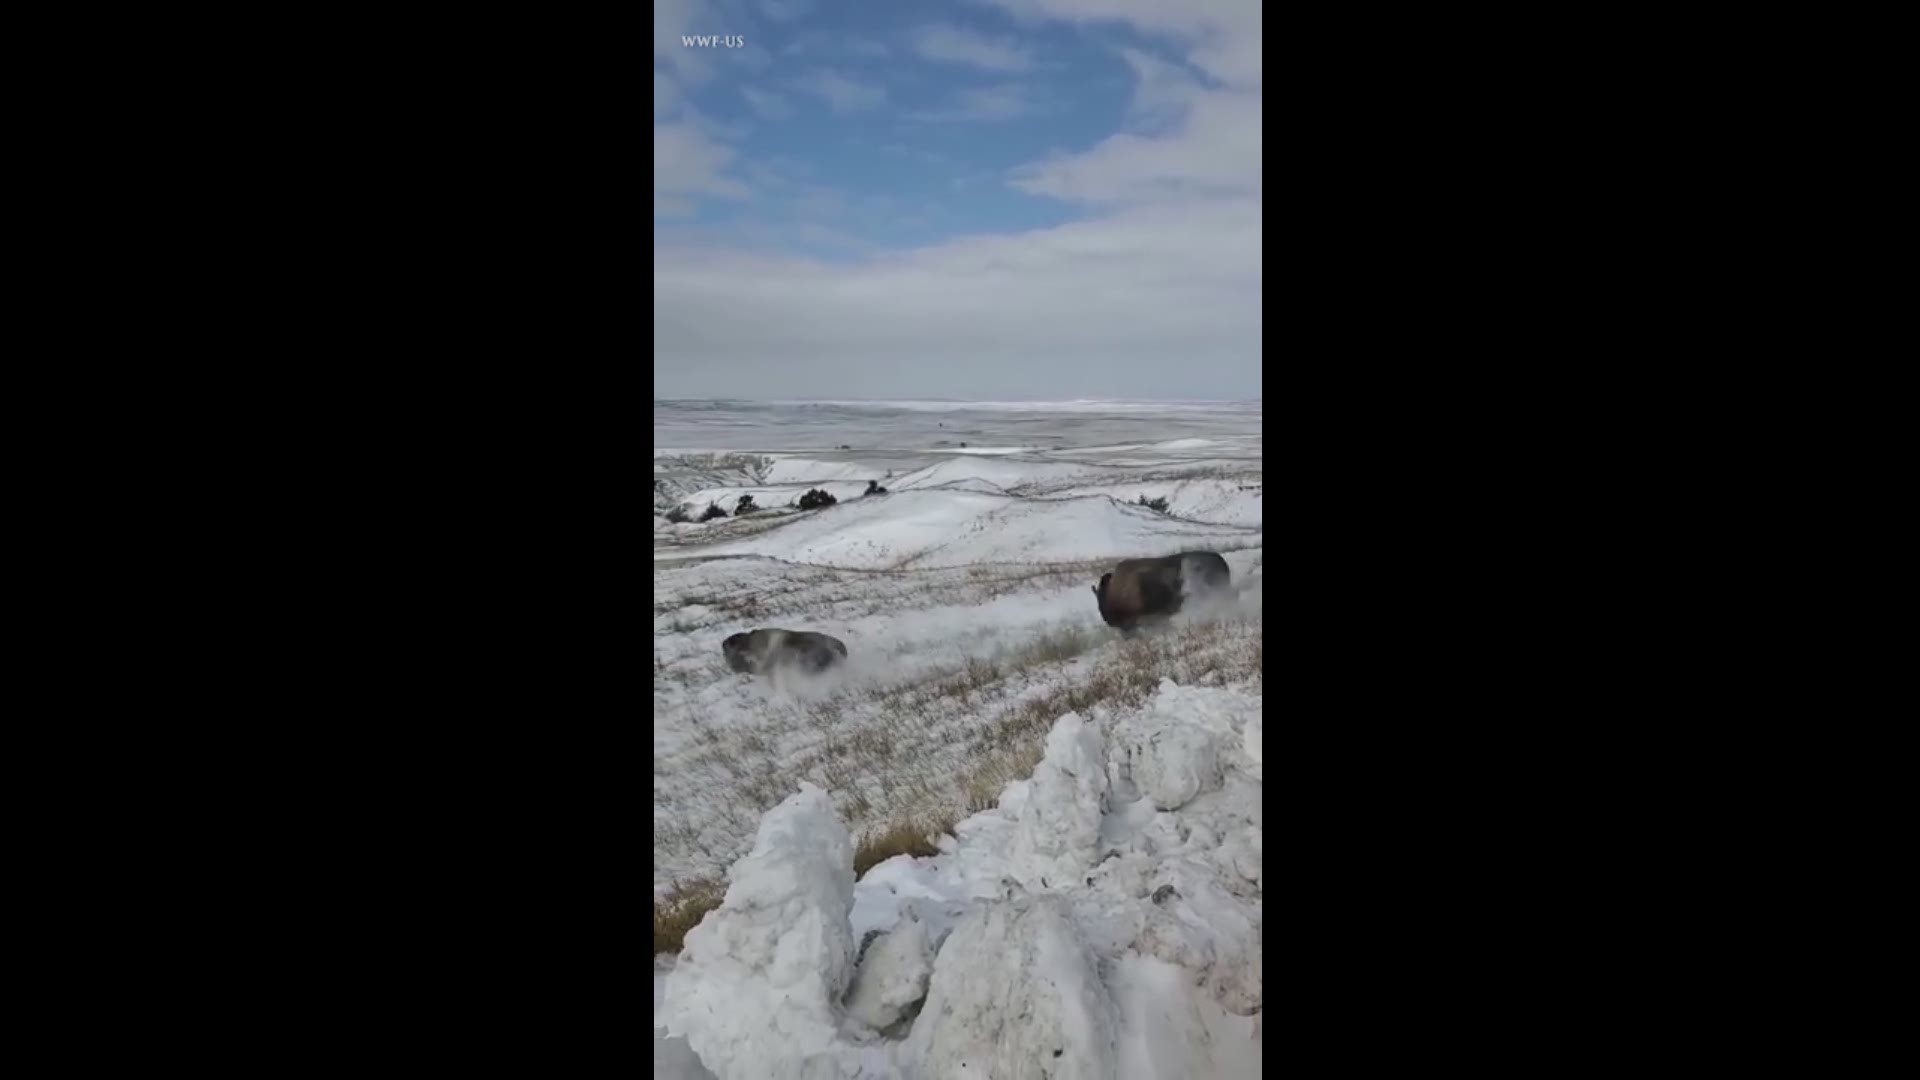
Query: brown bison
column 763, row 650
column 1144, row 591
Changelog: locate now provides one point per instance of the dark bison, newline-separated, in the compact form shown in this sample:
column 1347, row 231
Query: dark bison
column 1144, row 591
column 762, row 650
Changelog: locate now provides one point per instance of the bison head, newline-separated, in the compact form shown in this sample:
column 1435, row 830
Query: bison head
column 735, row 648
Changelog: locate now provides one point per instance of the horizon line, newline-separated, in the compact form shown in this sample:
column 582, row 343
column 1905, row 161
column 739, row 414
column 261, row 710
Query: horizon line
column 997, row 401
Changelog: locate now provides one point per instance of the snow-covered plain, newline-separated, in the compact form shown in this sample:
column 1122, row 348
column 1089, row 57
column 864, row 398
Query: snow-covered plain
column 1095, row 907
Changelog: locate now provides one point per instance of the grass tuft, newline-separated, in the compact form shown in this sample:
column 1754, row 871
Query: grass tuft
column 915, row 837
column 682, row 910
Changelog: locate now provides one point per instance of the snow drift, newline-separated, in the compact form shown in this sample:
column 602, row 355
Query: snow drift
column 760, row 978
column 1104, row 920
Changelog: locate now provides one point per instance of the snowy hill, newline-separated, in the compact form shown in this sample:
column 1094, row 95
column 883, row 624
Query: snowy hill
column 791, row 469
column 927, row 529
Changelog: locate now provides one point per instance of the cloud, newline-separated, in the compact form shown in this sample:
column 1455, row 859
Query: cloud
column 687, row 164
column 1157, row 294
column 983, row 105
column 1163, row 92
column 672, row 18
column 784, row 10
column 1186, row 142
column 818, row 44
column 843, row 94
column 1213, row 153
column 766, row 104
column 1222, row 36
column 952, row 45
column 666, row 94
column 1151, row 301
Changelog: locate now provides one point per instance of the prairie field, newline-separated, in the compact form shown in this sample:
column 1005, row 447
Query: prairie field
column 963, row 596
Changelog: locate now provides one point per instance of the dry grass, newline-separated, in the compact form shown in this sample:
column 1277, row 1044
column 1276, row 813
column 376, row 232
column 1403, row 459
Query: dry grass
column 787, row 589
column 682, row 910
column 903, row 837
column 903, row 762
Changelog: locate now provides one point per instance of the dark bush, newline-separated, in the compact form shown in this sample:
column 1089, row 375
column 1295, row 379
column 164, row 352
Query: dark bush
column 1156, row 504
column 815, row 498
column 713, row 511
column 874, row 488
column 744, row 506
column 678, row 515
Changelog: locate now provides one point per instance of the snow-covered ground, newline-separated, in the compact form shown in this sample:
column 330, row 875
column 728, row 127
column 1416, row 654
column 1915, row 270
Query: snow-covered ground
column 1094, row 909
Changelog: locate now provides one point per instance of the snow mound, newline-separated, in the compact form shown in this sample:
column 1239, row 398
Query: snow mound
column 968, row 483
column 1233, row 501
column 1016, row 993
column 757, row 990
column 1056, row 837
column 1104, row 920
column 1172, row 764
column 893, row 976
column 786, row 469
column 1009, row 475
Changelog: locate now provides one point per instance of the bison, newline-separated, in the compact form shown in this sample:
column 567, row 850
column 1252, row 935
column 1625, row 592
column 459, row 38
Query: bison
column 1144, row 591
column 761, row 651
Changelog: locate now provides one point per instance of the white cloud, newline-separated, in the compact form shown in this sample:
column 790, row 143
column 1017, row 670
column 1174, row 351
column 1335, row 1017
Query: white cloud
column 1154, row 301
column 1222, row 36
column 983, row 105
column 766, row 104
column 1163, row 92
column 814, row 43
column 952, row 45
column 672, row 18
column 785, row 10
column 843, row 94
column 1187, row 141
column 688, row 164
column 1215, row 153
column 1157, row 296
column 666, row 94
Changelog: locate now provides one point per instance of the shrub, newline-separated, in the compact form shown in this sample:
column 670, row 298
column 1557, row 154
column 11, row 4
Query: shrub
column 1159, row 504
column 713, row 511
column 744, row 506
column 816, row 498
column 874, row 488
column 678, row 515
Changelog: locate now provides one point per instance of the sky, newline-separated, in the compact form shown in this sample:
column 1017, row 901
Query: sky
column 1014, row 199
